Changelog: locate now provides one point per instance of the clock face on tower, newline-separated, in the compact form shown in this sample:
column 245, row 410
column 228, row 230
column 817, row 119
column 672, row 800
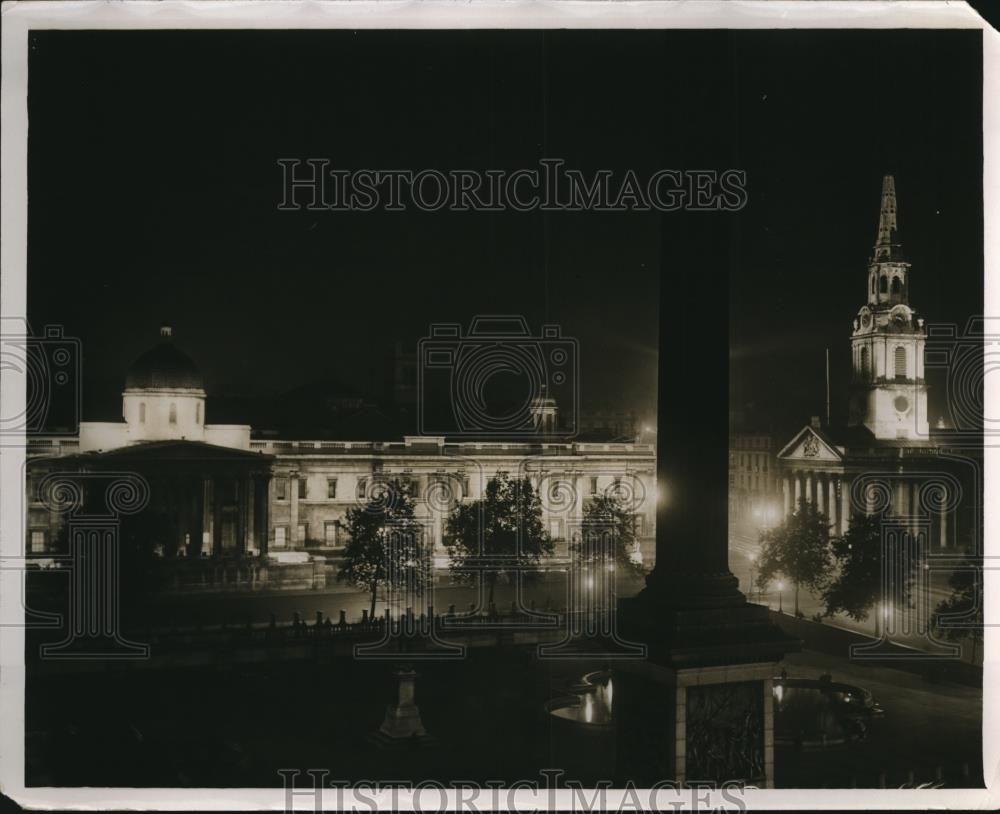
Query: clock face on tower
column 866, row 318
column 901, row 403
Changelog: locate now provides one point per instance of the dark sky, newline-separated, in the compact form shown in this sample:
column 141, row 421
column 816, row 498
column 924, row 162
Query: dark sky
column 154, row 186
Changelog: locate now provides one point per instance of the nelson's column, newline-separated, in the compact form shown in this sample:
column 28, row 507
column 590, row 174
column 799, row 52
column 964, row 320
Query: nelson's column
column 699, row 707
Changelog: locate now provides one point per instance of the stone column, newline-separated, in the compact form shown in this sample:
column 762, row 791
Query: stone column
column 197, row 517
column 786, row 492
column 251, row 535
column 217, row 493
column 691, row 614
column 263, row 516
column 845, row 505
column 293, row 512
column 206, row 515
column 809, row 487
column 797, row 476
column 241, row 515
column 832, row 501
column 820, row 493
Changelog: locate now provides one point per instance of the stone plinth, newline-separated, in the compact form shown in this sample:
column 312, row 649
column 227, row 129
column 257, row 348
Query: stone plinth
column 402, row 724
column 712, row 724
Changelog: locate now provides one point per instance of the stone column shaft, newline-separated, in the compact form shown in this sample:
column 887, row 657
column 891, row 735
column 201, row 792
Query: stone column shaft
column 845, row 505
column 293, row 514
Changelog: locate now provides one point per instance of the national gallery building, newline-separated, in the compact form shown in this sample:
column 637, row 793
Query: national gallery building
column 231, row 492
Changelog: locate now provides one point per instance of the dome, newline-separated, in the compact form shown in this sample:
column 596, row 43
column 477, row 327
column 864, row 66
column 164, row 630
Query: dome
column 164, row 366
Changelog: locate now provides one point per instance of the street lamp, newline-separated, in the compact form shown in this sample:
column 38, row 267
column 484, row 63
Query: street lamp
column 882, row 619
column 753, row 559
column 781, row 587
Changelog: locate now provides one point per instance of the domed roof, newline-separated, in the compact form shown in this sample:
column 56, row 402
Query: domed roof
column 164, row 366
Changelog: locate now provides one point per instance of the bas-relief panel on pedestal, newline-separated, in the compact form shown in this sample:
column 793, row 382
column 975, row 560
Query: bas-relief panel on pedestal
column 725, row 732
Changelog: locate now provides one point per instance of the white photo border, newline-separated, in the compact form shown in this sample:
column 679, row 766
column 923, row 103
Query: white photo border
column 18, row 18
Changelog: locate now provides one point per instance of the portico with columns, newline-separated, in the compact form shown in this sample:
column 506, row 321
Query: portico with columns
column 915, row 482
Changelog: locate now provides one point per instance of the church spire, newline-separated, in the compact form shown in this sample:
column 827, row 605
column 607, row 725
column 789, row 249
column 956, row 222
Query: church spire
column 887, row 245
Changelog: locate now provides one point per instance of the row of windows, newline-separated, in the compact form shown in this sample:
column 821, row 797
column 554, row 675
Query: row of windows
column 899, row 362
column 171, row 413
column 332, row 534
column 361, row 490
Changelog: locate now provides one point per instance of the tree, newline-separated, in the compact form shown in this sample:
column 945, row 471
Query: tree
column 797, row 549
column 504, row 526
column 607, row 520
column 858, row 584
column 965, row 606
column 385, row 543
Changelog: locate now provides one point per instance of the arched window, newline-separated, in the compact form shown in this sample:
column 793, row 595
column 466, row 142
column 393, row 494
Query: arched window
column 362, row 488
column 900, row 362
column 865, row 363
column 895, row 285
column 142, row 412
column 873, row 284
column 173, row 413
column 883, row 284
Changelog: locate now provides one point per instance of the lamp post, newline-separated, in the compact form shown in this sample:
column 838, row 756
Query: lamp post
column 753, row 559
column 781, row 587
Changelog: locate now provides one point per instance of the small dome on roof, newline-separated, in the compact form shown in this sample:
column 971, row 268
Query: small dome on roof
column 164, row 366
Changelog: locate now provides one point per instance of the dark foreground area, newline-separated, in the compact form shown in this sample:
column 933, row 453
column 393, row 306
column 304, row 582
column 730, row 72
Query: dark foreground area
column 238, row 726
column 232, row 706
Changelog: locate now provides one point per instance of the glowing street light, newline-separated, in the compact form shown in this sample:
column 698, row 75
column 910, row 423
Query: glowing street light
column 781, row 587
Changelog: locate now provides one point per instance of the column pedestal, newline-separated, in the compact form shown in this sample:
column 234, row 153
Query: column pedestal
column 402, row 725
column 699, row 723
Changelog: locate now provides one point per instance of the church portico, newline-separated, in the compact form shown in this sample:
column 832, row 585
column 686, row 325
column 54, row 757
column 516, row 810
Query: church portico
column 924, row 489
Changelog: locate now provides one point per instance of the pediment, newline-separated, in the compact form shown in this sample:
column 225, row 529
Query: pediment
column 809, row 445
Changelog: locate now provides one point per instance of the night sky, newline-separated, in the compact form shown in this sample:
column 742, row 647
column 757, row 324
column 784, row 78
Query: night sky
column 154, row 188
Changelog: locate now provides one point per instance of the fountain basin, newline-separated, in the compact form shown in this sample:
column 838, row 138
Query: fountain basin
column 817, row 713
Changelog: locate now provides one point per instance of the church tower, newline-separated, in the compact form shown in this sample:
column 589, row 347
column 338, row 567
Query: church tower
column 888, row 391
